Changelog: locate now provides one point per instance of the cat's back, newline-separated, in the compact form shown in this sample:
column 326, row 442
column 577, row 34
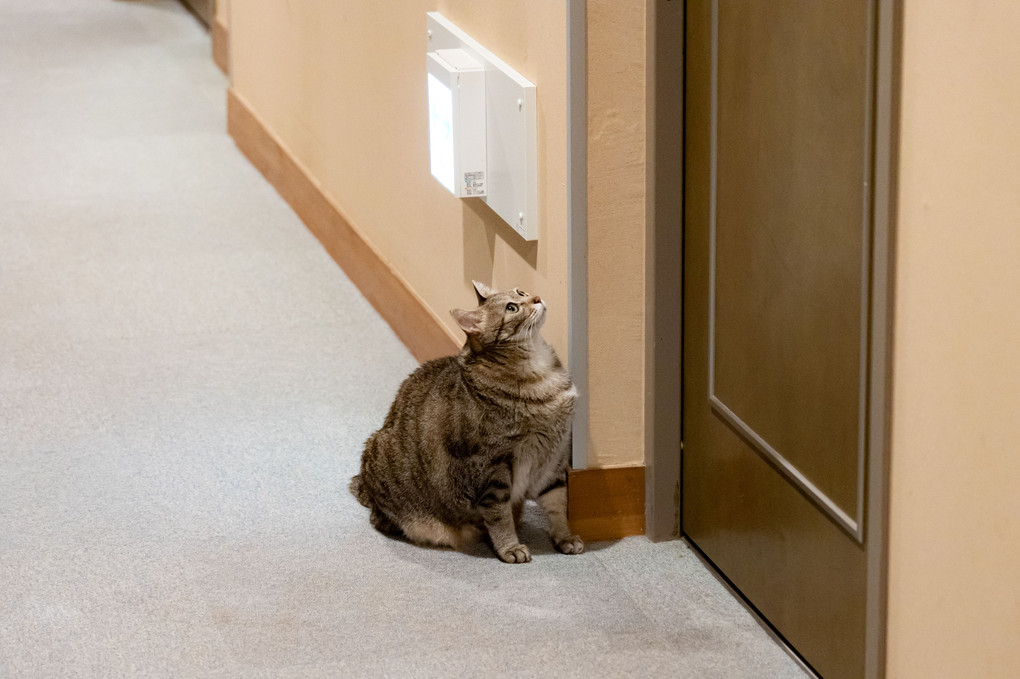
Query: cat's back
column 435, row 385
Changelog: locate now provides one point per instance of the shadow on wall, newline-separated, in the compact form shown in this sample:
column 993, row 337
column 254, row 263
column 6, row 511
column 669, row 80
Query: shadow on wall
column 481, row 228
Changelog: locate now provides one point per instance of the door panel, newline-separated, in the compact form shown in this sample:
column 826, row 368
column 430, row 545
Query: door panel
column 777, row 227
column 790, row 187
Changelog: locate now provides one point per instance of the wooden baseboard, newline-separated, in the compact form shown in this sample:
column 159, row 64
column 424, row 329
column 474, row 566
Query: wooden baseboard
column 607, row 504
column 221, row 46
column 415, row 324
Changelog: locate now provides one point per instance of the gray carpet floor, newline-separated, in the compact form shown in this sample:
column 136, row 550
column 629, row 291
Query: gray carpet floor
column 186, row 379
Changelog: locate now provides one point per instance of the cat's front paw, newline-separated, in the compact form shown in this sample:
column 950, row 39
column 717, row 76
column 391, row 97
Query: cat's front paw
column 515, row 554
column 570, row 545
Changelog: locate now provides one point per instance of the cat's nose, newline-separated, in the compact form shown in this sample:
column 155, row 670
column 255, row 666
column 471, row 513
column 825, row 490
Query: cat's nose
column 536, row 300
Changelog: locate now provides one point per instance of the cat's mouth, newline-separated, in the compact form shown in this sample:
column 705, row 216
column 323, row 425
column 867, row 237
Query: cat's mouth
column 537, row 315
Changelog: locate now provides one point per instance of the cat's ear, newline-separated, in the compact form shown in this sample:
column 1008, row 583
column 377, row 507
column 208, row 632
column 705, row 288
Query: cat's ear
column 469, row 321
column 483, row 291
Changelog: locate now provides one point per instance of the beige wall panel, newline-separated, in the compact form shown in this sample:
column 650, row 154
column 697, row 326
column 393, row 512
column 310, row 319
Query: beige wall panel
column 343, row 85
column 954, row 592
column 616, row 230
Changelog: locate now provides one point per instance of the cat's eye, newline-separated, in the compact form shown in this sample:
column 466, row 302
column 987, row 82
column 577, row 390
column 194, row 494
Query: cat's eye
column 521, row 293
column 511, row 307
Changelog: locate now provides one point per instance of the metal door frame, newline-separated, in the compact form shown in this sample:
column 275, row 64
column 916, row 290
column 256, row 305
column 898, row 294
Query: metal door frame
column 577, row 219
column 664, row 332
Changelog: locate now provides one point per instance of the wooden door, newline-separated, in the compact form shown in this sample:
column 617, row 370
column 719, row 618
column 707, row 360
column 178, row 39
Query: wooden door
column 777, row 239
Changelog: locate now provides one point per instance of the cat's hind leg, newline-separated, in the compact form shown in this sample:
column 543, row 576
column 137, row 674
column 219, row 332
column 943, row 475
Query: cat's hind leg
column 431, row 532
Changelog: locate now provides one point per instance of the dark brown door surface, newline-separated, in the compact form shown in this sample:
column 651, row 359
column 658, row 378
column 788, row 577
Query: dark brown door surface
column 776, row 263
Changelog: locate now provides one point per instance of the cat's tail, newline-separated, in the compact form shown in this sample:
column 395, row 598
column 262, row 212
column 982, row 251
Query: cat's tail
column 379, row 520
column 357, row 489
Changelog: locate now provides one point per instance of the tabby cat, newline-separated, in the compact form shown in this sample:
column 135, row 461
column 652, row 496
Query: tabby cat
column 470, row 437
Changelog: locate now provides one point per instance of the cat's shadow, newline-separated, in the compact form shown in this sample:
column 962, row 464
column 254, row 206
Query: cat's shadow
column 533, row 531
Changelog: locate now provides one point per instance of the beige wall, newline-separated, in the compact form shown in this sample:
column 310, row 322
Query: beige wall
column 616, row 230
column 954, row 580
column 342, row 86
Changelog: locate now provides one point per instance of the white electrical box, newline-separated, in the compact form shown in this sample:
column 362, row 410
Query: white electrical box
column 509, row 173
column 457, row 121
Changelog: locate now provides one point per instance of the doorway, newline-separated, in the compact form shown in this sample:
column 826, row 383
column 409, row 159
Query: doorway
column 784, row 167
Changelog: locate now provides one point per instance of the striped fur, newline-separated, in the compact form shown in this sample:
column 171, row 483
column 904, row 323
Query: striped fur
column 470, row 438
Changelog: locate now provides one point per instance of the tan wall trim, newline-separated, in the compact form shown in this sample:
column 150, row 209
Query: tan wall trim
column 415, row 324
column 607, row 504
column 221, row 46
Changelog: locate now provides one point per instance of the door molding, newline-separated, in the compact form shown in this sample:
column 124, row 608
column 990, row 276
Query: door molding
column 577, row 219
column 665, row 31
column 888, row 18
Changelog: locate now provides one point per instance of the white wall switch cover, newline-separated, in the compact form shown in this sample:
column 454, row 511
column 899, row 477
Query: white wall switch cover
column 511, row 181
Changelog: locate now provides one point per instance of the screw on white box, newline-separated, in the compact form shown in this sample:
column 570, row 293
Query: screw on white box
column 509, row 113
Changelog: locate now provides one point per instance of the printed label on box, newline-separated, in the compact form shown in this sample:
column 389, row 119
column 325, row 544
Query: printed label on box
column 474, row 183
